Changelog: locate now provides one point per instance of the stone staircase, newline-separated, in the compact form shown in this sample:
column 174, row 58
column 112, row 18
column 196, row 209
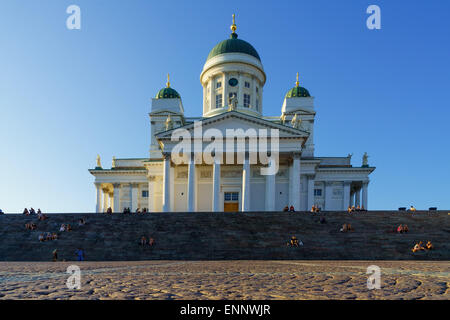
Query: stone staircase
column 228, row 236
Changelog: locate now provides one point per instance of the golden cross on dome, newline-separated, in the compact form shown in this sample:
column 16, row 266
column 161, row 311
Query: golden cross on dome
column 168, row 81
column 296, row 82
column 233, row 26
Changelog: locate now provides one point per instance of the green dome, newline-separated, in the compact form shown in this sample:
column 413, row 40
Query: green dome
column 167, row 93
column 233, row 45
column 297, row 91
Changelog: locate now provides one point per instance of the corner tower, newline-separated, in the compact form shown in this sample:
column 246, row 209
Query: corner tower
column 233, row 76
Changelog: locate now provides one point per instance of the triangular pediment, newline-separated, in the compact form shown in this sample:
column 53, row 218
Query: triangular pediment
column 238, row 120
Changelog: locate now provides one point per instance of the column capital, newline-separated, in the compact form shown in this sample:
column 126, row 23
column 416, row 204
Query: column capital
column 151, row 178
column 134, row 184
column 97, row 184
column 116, row 185
column 296, row 154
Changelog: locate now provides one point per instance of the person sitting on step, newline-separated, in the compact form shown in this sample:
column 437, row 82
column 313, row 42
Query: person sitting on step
column 429, row 246
column 349, row 209
column 400, row 229
column 109, row 210
column 54, row 236
column 62, row 228
column 418, row 247
column 143, row 241
column 26, row 212
column 151, row 242
column 48, row 236
column 32, row 211
column 294, row 241
column 347, row 227
column 69, row 227
column 286, row 209
column 317, row 208
column 291, row 209
column 41, row 237
column 412, row 209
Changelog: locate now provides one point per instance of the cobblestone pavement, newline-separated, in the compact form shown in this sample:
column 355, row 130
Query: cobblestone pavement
column 226, row 280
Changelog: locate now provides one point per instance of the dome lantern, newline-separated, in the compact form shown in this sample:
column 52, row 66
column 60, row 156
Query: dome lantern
column 167, row 92
column 297, row 91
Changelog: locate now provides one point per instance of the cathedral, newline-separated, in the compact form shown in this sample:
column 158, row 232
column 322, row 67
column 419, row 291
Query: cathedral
column 233, row 81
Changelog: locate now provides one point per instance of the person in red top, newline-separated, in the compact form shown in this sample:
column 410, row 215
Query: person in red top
column 291, row 209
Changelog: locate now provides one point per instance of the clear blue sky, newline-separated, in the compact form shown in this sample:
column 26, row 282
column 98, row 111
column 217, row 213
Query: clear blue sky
column 66, row 95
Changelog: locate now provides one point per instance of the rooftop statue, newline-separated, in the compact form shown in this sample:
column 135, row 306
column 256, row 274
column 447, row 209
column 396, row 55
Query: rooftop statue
column 99, row 165
column 365, row 160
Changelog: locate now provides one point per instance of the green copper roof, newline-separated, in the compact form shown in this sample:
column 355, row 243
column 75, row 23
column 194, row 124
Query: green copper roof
column 233, row 45
column 167, row 93
column 297, row 91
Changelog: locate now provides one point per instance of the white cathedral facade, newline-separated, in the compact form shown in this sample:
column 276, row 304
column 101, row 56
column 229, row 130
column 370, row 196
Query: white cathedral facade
column 233, row 79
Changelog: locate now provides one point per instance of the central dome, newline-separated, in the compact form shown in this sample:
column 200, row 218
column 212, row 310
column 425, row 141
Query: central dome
column 233, row 45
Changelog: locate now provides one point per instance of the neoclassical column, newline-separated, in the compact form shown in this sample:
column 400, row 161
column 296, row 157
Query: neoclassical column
column 365, row 195
column 225, row 90
column 98, row 205
column 110, row 199
column 291, row 181
column 240, row 90
column 216, row 186
column 358, row 197
column 166, row 183
column 105, row 199
column 270, row 191
column 296, row 180
column 116, row 192
column 346, row 195
column 246, row 184
column 212, row 94
column 134, row 196
column 191, row 184
column 310, row 192
column 205, row 98
column 253, row 93
column 352, row 199
column 151, row 193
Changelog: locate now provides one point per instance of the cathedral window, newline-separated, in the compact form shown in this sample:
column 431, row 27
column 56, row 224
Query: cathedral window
column 218, row 100
column 144, row 193
column 257, row 104
column 318, row 192
column 246, row 100
column 218, row 84
column 247, row 84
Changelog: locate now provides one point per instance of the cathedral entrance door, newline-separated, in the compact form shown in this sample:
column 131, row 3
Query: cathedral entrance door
column 231, row 202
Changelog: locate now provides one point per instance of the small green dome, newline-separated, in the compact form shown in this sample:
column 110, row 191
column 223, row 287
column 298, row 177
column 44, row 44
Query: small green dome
column 167, row 93
column 297, row 91
column 233, row 45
